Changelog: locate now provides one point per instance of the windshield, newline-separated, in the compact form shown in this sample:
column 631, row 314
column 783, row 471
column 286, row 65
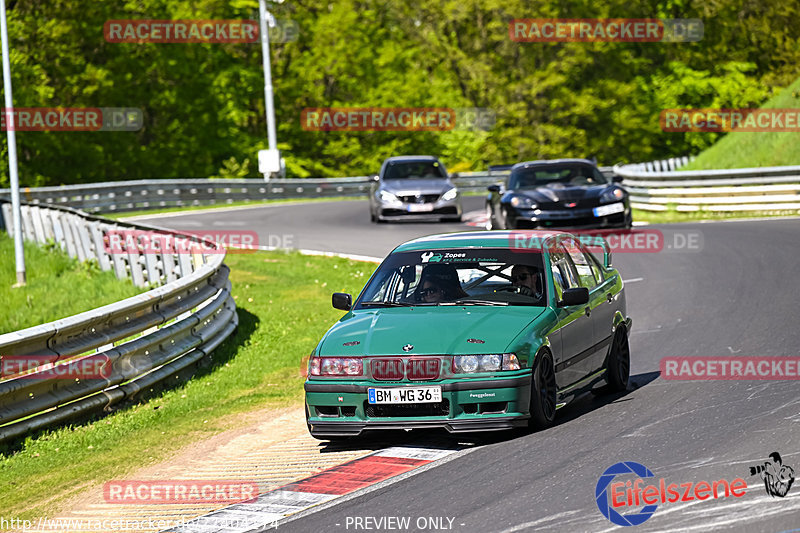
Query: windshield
column 415, row 170
column 470, row 276
column 567, row 175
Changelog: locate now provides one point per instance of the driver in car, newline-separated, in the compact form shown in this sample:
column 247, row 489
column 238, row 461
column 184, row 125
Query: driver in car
column 525, row 278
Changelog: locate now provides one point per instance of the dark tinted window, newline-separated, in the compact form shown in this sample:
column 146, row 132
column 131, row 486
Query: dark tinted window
column 414, row 170
column 569, row 175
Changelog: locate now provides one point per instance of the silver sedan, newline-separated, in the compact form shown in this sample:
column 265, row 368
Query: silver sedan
column 414, row 188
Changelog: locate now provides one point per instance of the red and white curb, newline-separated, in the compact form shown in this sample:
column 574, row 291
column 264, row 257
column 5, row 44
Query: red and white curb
column 271, row 508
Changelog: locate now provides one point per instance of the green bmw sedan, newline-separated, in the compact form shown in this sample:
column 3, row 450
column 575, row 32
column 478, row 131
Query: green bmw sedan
column 476, row 331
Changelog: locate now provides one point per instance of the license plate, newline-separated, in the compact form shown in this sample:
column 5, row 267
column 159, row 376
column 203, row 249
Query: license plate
column 609, row 209
column 405, row 395
column 420, row 208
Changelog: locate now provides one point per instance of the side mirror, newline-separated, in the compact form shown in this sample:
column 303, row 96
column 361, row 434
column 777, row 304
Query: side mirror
column 616, row 179
column 494, row 188
column 376, row 178
column 343, row 301
column 574, row 296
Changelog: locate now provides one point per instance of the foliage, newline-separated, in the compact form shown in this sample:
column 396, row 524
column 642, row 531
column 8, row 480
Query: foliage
column 204, row 109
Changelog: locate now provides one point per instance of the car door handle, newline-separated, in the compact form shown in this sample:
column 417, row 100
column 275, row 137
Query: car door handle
column 588, row 311
column 609, row 297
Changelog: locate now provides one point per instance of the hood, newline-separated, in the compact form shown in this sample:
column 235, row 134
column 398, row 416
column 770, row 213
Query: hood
column 559, row 192
column 406, row 187
column 431, row 330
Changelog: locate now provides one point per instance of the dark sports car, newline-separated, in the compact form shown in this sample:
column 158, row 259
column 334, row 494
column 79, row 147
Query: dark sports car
column 558, row 193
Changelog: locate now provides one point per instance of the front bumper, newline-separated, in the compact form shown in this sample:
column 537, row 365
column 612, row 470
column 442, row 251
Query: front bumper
column 437, row 210
column 578, row 218
column 492, row 404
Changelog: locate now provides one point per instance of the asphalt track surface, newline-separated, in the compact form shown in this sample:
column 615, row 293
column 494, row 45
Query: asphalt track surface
column 737, row 295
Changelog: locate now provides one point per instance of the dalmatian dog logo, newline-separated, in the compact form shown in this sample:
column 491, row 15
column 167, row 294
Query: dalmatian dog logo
column 778, row 477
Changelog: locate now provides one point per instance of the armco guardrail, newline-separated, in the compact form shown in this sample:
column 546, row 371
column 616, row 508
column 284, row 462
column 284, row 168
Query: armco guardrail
column 142, row 340
column 121, row 196
column 657, row 187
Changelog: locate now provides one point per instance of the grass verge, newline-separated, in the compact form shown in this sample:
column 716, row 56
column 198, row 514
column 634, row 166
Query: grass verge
column 671, row 216
column 283, row 301
column 58, row 286
column 755, row 149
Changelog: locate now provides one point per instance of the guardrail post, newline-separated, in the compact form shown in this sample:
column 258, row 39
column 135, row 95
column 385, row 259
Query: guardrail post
column 38, row 228
column 8, row 219
column 84, row 238
column 47, row 224
column 118, row 260
column 59, row 231
column 185, row 262
column 100, row 250
column 133, row 262
column 27, row 223
column 150, row 263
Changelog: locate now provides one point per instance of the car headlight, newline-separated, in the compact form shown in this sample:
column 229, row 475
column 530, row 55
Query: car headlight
column 523, row 202
column 450, row 195
column 335, row 366
column 386, row 196
column 612, row 195
column 468, row 364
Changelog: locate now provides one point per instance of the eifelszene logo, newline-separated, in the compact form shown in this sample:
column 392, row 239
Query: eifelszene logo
column 630, row 494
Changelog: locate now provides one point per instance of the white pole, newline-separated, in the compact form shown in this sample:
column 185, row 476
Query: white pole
column 19, row 253
column 264, row 14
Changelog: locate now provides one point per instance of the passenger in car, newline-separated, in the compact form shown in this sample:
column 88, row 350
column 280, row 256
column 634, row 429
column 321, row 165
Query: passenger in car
column 439, row 283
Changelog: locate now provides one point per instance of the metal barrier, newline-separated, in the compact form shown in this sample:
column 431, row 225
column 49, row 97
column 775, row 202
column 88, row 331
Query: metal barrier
column 121, row 196
column 141, row 340
column 657, row 187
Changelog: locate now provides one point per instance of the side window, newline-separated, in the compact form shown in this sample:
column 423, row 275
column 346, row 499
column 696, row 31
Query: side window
column 596, row 270
column 563, row 272
column 583, row 265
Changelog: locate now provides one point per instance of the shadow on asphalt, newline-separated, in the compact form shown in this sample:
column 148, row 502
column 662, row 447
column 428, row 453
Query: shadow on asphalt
column 440, row 438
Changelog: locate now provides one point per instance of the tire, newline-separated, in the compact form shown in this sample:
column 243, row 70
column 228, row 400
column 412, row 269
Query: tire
column 618, row 367
column 543, row 394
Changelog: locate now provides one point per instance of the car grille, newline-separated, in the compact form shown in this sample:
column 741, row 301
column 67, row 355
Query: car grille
column 400, row 369
column 421, row 409
column 562, row 205
column 423, row 198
